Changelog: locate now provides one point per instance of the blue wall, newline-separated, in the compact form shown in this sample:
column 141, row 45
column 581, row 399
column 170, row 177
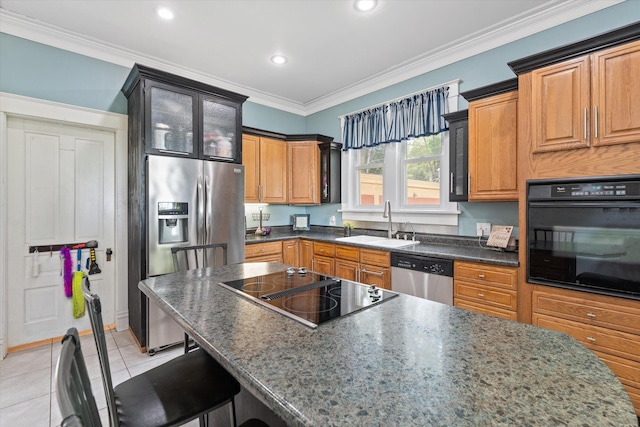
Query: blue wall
column 40, row 71
column 477, row 71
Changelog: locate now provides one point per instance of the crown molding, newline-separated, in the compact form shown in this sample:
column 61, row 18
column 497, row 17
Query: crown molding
column 548, row 15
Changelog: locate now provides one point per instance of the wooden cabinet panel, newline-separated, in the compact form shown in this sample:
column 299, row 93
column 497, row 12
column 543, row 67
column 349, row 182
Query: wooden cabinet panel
column 265, row 258
column 251, row 162
column 613, row 316
column 375, row 275
column 349, row 253
column 374, row 257
column 481, row 308
column 502, row 277
column 607, row 325
column 488, row 289
column 273, row 171
column 324, row 265
column 634, row 394
column 628, row 373
column 347, row 270
column 616, row 95
column 561, row 96
column 486, row 295
column 604, row 340
column 303, row 172
column 290, row 252
column 324, row 249
column 305, row 254
column 261, row 249
column 492, row 148
column 588, row 101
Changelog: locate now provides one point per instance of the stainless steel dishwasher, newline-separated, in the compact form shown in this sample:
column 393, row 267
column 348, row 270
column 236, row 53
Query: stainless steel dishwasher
column 422, row 276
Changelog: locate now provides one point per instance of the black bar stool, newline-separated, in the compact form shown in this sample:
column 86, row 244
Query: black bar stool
column 178, row 391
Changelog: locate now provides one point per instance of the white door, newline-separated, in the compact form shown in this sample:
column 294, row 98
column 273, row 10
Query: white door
column 61, row 191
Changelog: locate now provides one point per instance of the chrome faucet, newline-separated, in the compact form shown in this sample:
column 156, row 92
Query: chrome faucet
column 387, row 214
column 413, row 230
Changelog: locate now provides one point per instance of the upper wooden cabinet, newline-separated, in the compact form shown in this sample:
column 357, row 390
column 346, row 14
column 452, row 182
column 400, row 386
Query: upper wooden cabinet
column 493, row 148
column 283, row 169
column 175, row 116
column 265, row 162
column 587, row 101
column 303, row 172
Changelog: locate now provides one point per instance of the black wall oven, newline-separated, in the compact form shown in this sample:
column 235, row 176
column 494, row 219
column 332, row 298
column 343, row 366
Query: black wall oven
column 584, row 234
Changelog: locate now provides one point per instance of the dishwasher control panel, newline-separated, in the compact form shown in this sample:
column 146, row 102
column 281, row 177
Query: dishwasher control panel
column 426, row 264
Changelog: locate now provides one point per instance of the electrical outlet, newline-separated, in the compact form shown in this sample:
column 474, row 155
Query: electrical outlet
column 332, row 220
column 483, row 228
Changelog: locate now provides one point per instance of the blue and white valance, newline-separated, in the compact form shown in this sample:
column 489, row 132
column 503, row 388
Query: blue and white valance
column 399, row 120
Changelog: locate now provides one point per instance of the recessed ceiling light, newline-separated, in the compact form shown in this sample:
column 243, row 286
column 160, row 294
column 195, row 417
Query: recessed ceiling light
column 165, row 13
column 365, row 5
column 278, row 59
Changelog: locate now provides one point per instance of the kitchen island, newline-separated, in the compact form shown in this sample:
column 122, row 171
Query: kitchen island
column 406, row 361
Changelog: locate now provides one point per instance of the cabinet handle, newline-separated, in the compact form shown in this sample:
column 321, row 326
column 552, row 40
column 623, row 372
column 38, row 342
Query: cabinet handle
column 591, row 339
column 592, row 315
column 259, row 193
column 364, row 270
column 481, row 276
column 451, row 183
column 313, row 266
column 180, row 153
column 595, row 118
column 584, row 122
column 481, row 295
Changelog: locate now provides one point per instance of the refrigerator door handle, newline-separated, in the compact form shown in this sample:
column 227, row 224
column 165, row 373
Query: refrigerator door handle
column 207, row 210
column 200, row 211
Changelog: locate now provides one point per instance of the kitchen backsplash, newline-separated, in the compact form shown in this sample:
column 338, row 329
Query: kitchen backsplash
column 496, row 213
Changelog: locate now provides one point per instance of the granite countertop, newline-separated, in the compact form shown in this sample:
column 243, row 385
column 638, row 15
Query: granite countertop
column 406, row 361
column 457, row 248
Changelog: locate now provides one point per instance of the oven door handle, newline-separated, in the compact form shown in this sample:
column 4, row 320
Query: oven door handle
column 565, row 204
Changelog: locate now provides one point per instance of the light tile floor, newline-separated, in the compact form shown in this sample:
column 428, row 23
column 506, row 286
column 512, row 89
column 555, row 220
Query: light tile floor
column 27, row 378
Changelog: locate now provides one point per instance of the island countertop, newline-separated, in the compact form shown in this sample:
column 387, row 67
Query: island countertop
column 406, row 361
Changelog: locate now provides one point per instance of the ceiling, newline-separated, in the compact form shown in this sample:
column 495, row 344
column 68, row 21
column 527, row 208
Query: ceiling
column 335, row 53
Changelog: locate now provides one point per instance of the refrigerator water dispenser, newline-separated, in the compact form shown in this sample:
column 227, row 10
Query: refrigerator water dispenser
column 173, row 222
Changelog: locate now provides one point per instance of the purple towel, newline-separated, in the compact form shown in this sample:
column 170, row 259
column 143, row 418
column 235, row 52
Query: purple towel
column 65, row 253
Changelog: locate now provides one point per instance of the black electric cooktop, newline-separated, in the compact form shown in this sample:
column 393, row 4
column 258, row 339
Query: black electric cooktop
column 308, row 297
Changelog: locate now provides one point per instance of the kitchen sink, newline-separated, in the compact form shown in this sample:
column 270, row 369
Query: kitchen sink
column 381, row 242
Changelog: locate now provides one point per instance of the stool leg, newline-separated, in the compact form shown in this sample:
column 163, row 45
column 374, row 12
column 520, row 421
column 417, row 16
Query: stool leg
column 204, row 420
column 232, row 411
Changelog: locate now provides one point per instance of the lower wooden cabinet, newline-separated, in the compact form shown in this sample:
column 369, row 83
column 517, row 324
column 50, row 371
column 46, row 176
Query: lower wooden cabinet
column 305, row 254
column 263, row 252
column 609, row 326
column 290, row 252
column 488, row 289
column 323, row 258
column 368, row 266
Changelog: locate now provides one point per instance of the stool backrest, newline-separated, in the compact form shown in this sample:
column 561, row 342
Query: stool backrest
column 95, row 316
column 190, row 257
column 75, row 399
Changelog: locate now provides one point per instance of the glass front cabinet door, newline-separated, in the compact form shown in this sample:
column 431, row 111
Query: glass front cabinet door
column 330, row 153
column 221, row 136
column 183, row 117
column 458, row 155
column 171, row 127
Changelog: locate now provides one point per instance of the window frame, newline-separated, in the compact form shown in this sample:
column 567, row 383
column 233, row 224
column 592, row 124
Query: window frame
column 394, row 184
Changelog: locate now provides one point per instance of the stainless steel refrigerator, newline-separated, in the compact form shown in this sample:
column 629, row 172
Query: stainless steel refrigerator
column 190, row 202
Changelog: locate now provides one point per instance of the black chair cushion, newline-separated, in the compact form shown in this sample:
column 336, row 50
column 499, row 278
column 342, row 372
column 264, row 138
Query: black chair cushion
column 175, row 392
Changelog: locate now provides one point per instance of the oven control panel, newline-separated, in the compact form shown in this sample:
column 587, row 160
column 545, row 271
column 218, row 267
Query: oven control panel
column 605, row 189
